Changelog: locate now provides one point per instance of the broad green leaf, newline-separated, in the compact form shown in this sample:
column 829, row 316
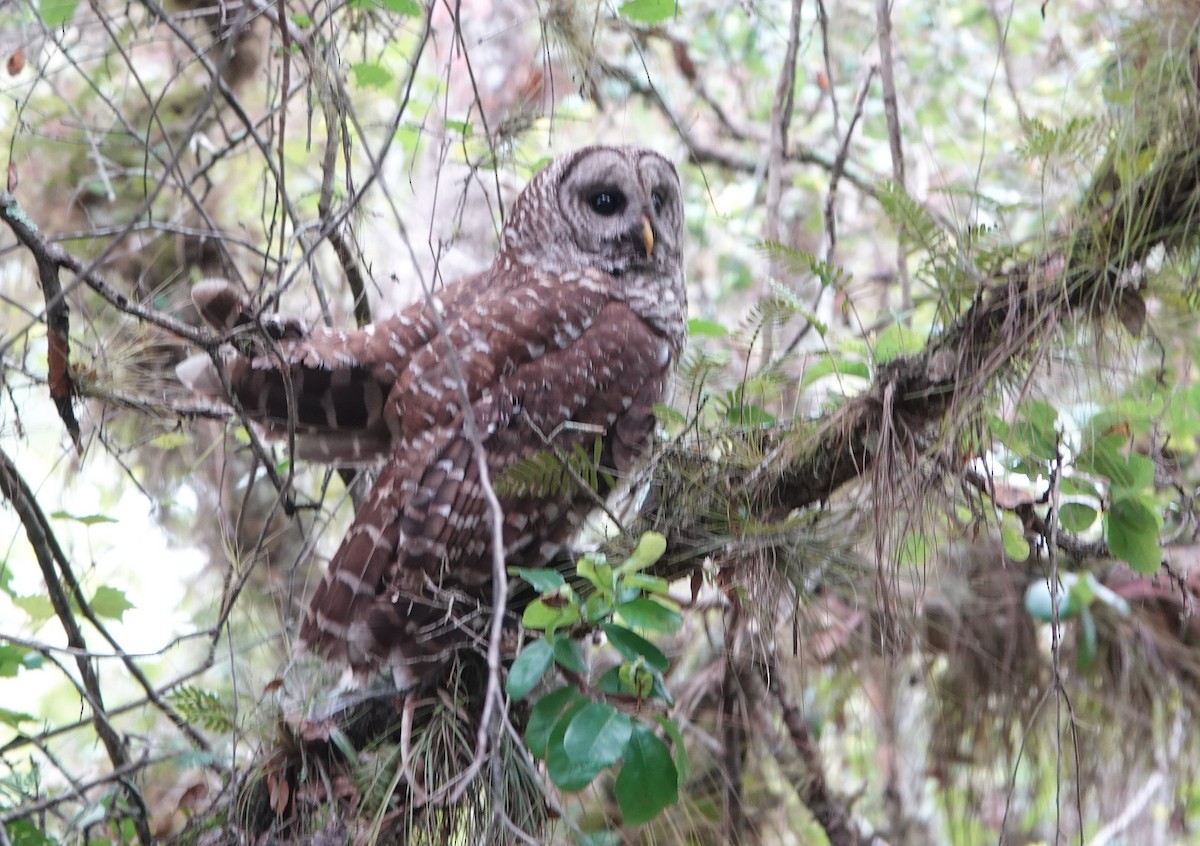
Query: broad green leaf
column 597, row 608
column 748, row 415
column 1132, row 534
column 632, row 646
column 565, row 770
column 544, row 717
column 409, row 8
column 650, row 548
column 12, row 659
column 895, row 341
column 301, row 21
column 543, row 617
column 371, row 75
column 1076, row 517
column 597, row 736
column 24, row 832
column 57, row 13
column 648, row 781
column 37, row 607
column 170, row 440
column 698, row 328
column 645, row 613
column 595, row 569
column 569, row 654
column 1036, row 430
column 1016, row 546
column 1128, row 475
column 1087, row 639
column 647, row 11
column 87, row 519
column 110, row 603
column 828, row 364
column 669, row 416
column 528, row 668
column 635, row 678
column 682, row 764
column 543, row 580
column 649, row 584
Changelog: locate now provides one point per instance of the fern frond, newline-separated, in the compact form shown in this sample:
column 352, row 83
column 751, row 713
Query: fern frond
column 555, row 473
column 203, row 708
column 915, row 221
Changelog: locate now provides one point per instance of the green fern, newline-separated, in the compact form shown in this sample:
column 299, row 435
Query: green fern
column 202, row 707
column 1045, row 142
column 800, row 262
column 555, row 473
column 917, row 224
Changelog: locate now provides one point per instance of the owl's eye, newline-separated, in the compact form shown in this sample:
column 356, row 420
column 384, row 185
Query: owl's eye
column 607, row 202
column 658, row 199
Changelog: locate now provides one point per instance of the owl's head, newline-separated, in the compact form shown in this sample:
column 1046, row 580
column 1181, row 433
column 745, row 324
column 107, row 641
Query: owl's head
column 618, row 209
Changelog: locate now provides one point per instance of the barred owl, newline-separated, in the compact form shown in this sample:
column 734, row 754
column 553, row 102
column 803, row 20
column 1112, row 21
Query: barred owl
column 566, row 339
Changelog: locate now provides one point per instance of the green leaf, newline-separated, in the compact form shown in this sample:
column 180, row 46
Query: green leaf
column 596, row 737
column 1036, row 430
column 371, row 75
column 110, row 603
column 650, row 548
column 36, row 607
column 698, row 328
column 542, row 617
column 748, row 415
column 1127, row 475
column 647, row 11
column 409, row 8
column 1132, row 534
column 568, row 772
column 87, row 519
column 1016, row 546
column 170, row 440
column 828, row 364
column 668, row 416
column 895, row 341
column 528, row 668
column 649, row 584
column 545, row 715
column 645, row 613
column 597, row 608
column 682, row 764
column 569, row 654
column 301, row 21
column 594, row 567
column 12, row 659
column 648, row 781
column 23, row 832
column 545, row 580
column 632, row 646
column 1076, row 517
column 57, row 13
column 1087, row 639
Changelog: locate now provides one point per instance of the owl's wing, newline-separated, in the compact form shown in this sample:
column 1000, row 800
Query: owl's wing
column 576, row 368
column 338, row 380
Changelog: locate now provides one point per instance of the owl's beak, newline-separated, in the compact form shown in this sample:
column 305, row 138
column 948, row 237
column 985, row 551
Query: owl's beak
column 647, row 235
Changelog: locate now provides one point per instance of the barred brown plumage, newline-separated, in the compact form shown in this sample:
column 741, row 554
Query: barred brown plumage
column 578, row 320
